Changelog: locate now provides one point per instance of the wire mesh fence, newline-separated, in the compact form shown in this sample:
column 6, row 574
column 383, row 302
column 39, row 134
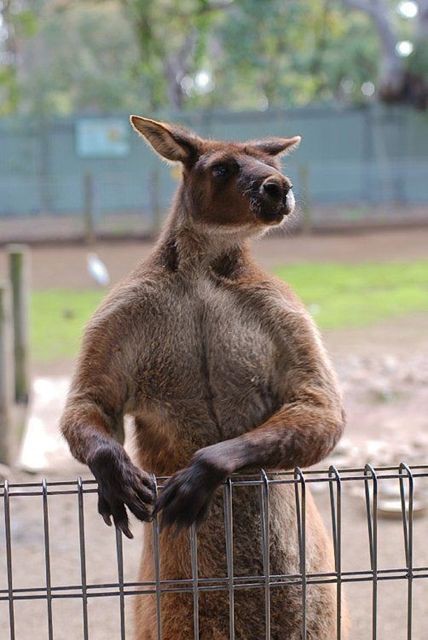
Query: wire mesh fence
column 142, row 217
column 355, row 166
column 64, row 575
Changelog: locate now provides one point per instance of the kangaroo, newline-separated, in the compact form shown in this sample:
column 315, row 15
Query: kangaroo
column 223, row 370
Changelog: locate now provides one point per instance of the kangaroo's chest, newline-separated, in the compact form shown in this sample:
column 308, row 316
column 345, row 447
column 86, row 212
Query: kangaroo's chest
column 209, row 359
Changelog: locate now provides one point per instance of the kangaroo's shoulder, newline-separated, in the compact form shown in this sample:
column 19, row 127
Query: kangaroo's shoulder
column 261, row 287
column 137, row 293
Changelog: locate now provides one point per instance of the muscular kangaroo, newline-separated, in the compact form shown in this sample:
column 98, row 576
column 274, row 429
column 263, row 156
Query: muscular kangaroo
column 223, row 370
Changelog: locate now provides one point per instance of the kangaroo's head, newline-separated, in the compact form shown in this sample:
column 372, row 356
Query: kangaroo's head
column 226, row 186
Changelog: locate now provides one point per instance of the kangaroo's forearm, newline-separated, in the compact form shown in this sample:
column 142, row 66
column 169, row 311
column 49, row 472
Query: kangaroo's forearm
column 86, row 427
column 296, row 436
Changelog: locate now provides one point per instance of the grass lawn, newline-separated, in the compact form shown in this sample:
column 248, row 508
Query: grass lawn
column 346, row 295
column 338, row 296
column 58, row 317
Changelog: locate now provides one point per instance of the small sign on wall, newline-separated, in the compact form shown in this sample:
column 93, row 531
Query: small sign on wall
column 102, row 138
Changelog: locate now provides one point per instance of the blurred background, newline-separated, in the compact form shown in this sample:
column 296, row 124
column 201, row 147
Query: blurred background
column 348, row 75
column 82, row 200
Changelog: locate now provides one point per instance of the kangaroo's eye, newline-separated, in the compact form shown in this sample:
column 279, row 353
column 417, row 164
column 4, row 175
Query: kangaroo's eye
column 220, row 170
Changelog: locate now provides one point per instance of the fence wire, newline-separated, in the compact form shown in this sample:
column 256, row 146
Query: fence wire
column 370, row 483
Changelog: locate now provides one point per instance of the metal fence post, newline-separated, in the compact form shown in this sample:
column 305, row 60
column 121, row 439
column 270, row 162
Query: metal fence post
column 303, row 173
column 5, row 370
column 154, row 200
column 88, row 208
column 370, row 178
column 19, row 280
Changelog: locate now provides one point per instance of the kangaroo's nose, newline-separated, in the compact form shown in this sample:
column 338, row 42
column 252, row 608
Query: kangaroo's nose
column 274, row 189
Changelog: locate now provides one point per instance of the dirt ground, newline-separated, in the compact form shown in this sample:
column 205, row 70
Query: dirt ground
column 383, row 371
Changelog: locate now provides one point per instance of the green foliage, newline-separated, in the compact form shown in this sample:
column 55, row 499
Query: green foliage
column 92, row 63
column 418, row 61
column 17, row 22
column 172, row 38
column 295, row 53
column 25, row 23
column 106, row 55
column 338, row 295
column 9, row 91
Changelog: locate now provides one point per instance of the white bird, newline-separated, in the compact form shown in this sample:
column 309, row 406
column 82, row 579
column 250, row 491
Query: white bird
column 97, row 270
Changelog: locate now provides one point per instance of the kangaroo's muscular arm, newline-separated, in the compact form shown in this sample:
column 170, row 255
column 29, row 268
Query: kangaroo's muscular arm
column 309, row 423
column 93, row 414
column 92, row 421
column 301, row 433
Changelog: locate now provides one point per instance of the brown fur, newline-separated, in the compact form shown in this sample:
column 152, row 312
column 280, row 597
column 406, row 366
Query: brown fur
column 223, row 370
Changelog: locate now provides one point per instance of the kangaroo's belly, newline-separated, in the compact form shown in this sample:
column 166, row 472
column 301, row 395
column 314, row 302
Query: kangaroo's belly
column 249, row 613
column 208, row 374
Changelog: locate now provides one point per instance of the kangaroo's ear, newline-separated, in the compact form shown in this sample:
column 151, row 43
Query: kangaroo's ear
column 276, row 146
column 170, row 141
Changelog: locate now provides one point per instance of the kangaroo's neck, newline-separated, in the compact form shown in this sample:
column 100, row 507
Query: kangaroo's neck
column 186, row 246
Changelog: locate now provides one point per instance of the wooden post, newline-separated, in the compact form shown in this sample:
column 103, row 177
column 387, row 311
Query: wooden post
column 19, row 280
column 306, row 204
column 154, row 201
column 88, row 208
column 5, row 377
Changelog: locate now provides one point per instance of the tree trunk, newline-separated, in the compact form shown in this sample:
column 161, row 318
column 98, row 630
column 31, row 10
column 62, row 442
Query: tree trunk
column 397, row 84
column 392, row 70
column 422, row 24
column 418, row 73
column 174, row 88
column 177, row 66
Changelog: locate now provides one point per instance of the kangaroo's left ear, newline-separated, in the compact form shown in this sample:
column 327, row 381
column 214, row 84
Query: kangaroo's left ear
column 169, row 140
column 276, row 146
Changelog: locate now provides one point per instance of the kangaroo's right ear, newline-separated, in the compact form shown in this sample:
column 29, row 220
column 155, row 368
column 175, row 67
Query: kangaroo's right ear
column 170, row 141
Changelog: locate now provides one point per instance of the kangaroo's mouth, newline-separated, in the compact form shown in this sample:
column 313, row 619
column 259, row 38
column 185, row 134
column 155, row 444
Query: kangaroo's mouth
column 274, row 214
column 273, row 217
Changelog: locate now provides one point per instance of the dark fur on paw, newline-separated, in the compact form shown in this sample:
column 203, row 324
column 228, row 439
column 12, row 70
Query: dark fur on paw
column 121, row 485
column 186, row 497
